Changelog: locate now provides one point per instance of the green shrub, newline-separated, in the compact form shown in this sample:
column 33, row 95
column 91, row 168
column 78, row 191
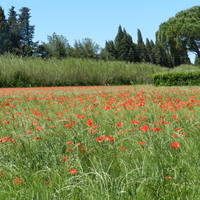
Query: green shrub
column 177, row 78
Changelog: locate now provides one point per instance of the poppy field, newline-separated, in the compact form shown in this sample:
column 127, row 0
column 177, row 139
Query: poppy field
column 105, row 142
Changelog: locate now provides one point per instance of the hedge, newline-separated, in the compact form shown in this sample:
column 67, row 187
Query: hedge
column 177, row 78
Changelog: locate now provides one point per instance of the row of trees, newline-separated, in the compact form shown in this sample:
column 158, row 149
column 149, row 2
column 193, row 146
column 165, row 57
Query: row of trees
column 123, row 48
column 16, row 33
column 170, row 49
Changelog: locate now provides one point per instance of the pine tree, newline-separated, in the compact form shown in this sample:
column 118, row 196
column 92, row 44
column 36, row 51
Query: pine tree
column 4, row 33
column 26, row 31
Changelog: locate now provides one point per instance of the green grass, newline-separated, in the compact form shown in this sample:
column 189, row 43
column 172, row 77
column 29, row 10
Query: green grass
column 25, row 72
column 106, row 170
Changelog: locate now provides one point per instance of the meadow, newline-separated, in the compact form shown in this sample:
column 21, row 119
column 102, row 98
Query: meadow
column 107, row 142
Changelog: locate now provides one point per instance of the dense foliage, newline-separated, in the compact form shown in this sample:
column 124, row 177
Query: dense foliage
column 177, row 78
column 181, row 34
column 16, row 36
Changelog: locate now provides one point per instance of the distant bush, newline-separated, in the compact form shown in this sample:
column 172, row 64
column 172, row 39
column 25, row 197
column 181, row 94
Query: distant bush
column 177, row 78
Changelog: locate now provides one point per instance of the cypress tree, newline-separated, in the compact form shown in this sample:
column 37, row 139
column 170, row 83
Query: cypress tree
column 26, row 31
column 141, row 47
column 119, row 43
column 4, row 33
column 14, row 33
column 149, row 56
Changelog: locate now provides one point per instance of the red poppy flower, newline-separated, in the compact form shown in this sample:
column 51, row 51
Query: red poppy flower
column 119, row 124
column 144, row 128
column 17, row 181
column 73, row 171
column 155, row 129
column 141, row 143
column 67, row 125
column 174, row 135
column 175, row 145
column 89, row 122
column 135, row 122
column 109, row 138
column 4, row 139
column 36, row 137
column 64, row 159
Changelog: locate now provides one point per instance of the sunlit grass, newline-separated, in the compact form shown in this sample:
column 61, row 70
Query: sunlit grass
column 136, row 142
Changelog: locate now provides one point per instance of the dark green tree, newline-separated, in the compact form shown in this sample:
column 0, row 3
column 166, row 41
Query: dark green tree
column 149, row 55
column 110, row 48
column 57, row 46
column 85, row 49
column 119, row 43
column 26, row 32
column 14, row 31
column 161, row 56
column 124, row 47
column 181, row 34
column 4, row 33
column 141, row 49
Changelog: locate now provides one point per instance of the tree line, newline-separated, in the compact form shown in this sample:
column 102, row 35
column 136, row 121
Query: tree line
column 16, row 37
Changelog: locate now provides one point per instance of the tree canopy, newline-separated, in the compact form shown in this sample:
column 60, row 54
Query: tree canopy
column 182, row 32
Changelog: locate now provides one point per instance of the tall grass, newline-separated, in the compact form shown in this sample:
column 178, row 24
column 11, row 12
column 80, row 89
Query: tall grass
column 29, row 72
column 16, row 71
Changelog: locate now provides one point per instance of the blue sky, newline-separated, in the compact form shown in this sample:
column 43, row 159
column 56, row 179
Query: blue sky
column 98, row 19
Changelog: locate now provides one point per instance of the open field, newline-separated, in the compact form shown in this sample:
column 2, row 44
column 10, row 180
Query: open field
column 122, row 142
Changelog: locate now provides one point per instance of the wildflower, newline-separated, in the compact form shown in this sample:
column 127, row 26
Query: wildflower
column 122, row 148
column 69, row 149
column 109, row 138
column 89, row 122
column 29, row 131
column 168, row 177
column 184, row 134
column 144, row 128
column 12, row 140
column 64, row 159
column 4, row 139
column 175, row 145
column 67, row 125
column 68, row 143
column 119, row 124
column 177, row 129
column 141, row 143
column 174, row 117
column 155, row 129
column 39, row 128
column 73, row 171
column 36, row 137
column 100, row 139
column 107, row 107
column 17, row 181
column 78, row 144
column 135, row 122
column 174, row 135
